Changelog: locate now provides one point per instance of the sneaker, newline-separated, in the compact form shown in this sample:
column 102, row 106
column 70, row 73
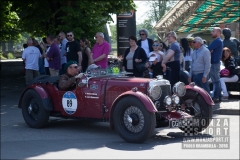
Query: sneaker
column 224, row 98
column 216, row 100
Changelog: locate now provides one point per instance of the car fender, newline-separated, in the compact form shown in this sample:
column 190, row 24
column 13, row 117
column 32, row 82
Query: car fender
column 202, row 92
column 46, row 99
column 141, row 96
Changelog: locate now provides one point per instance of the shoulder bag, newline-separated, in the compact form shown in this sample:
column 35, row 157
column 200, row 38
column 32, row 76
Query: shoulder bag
column 140, row 65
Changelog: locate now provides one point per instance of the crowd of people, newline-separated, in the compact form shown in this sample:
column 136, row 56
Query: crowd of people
column 63, row 55
column 52, row 55
column 201, row 61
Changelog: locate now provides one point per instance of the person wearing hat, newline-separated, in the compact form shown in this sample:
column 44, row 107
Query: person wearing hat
column 190, row 40
column 67, row 81
column 156, row 67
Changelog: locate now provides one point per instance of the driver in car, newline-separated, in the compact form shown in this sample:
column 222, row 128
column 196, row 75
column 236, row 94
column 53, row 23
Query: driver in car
column 67, row 81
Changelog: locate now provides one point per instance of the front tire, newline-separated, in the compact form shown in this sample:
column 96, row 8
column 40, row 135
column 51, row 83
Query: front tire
column 132, row 121
column 33, row 111
column 201, row 111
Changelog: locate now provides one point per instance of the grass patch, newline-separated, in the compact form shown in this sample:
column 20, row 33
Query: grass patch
column 10, row 56
column 4, row 56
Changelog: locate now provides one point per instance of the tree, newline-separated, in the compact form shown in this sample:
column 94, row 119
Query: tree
column 9, row 30
column 113, row 29
column 83, row 17
column 157, row 10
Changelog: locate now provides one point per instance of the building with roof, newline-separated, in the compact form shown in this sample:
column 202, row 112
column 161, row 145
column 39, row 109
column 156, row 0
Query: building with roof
column 198, row 17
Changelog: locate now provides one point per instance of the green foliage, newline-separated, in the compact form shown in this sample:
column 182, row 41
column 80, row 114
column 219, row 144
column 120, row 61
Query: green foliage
column 6, row 56
column 9, row 29
column 113, row 29
column 158, row 9
column 2, row 56
column 10, row 56
column 83, row 17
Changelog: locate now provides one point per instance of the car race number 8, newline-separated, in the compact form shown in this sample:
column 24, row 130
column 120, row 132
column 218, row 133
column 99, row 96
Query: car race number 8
column 69, row 102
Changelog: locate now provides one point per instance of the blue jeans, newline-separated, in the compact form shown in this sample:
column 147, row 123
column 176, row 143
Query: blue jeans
column 214, row 75
column 41, row 66
column 197, row 79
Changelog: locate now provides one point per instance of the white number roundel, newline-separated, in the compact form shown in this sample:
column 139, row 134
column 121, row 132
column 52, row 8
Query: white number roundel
column 69, row 102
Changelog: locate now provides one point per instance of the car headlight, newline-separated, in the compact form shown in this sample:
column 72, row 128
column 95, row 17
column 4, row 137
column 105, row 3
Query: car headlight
column 175, row 99
column 167, row 100
column 179, row 89
column 155, row 92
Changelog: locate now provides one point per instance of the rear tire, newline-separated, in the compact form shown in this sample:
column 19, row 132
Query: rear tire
column 33, row 111
column 132, row 121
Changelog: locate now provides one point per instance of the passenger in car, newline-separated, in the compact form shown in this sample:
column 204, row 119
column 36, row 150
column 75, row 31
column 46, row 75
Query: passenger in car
column 67, row 81
column 229, row 64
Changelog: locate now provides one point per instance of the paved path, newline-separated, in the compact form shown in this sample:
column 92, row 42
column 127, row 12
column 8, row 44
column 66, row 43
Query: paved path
column 66, row 139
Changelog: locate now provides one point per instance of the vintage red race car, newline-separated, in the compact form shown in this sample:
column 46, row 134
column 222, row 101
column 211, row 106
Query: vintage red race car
column 133, row 106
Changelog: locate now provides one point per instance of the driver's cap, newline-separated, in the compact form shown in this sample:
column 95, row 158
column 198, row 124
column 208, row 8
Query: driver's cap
column 69, row 63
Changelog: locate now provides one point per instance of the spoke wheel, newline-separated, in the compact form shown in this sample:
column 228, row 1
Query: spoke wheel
column 33, row 111
column 132, row 120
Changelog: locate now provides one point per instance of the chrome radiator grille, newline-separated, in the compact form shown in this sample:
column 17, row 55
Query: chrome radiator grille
column 166, row 90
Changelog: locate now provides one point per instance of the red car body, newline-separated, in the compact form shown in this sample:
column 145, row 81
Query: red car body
column 97, row 97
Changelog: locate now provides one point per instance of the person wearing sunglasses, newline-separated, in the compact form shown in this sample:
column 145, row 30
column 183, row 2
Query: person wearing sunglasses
column 67, row 81
column 73, row 49
column 145, row 42
column 200, row 66
column 156, row 51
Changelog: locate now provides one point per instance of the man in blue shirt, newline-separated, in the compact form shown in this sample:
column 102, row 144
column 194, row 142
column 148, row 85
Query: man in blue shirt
column 216, row 48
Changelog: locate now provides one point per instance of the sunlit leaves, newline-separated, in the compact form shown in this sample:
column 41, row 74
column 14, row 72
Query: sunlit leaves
column 41, row 17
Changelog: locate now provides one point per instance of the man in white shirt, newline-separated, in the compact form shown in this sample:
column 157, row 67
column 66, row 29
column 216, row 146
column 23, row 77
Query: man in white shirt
column 30, row 56
column 145, row 42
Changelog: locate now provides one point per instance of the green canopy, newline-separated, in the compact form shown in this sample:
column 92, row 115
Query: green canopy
column 210, row 14
column 199, row 15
